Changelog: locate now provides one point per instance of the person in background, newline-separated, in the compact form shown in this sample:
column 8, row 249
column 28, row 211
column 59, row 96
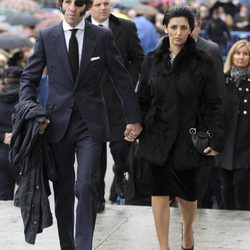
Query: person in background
column 4, row 56
column 205, row 16
column 209, row 175
column 76, row 54
column 242, row 19
column 234, row 160
column 158, row 24
column 128, row 43
column 17, row 58
column 218, row 32
column 8, row 99
column 176, row 92
column 146, row 31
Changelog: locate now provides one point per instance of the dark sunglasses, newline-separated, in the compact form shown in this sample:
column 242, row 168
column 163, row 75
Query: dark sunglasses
column 79, row 3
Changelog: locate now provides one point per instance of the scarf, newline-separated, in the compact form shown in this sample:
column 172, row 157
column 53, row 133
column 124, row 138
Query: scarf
column 236, row 73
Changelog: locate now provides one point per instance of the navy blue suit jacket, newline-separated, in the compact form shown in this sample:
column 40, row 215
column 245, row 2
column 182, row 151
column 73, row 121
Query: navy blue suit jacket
column 99, row 54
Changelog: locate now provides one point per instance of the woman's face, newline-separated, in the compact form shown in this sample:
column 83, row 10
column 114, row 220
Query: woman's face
column 241, row 57
column 178, row 30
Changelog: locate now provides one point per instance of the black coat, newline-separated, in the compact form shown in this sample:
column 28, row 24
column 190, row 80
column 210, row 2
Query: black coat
column 8, row 99
column 236, row 154
column 128, row 44
column 212, row 49
column 31, row 151
column 176, row 98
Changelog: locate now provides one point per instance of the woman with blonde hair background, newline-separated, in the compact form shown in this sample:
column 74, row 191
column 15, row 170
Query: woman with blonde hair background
column 235, row 158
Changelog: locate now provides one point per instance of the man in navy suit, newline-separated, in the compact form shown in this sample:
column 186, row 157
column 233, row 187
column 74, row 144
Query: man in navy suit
column 77, row 117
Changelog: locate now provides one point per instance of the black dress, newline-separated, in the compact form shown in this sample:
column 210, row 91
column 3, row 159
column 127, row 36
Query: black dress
column 175, row 97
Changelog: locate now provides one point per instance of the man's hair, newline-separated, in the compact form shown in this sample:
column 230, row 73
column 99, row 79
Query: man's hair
column 196, row 14
column 88, row 3
column 179, row 11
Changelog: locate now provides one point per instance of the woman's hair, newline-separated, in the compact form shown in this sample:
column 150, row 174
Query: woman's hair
column 88, row 3
column 179, row 11
column 229, row 60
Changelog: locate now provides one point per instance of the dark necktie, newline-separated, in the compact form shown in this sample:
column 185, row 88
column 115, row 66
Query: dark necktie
column 73, row 53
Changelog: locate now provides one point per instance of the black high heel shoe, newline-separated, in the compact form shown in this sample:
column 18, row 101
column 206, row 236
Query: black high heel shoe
column 182, row 248
column 192, row 248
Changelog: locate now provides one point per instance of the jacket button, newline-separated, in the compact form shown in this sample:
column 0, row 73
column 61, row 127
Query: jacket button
column 247, row 89
column 244, row 112
column 245, row 100
column 240, row 89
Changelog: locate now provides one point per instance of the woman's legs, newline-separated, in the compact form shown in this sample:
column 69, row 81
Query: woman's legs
column 187, row 211
column 161, row 212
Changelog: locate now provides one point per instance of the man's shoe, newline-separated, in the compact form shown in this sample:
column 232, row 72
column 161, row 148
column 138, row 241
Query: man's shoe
column 121, row 185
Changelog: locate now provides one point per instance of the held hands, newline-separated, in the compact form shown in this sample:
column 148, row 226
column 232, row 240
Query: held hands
column 44, row 125
column 210, row 152
column 7, row 138
column 132, row 131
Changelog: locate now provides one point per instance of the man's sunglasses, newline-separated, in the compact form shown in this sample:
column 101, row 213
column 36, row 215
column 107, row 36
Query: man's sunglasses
column 79, row 3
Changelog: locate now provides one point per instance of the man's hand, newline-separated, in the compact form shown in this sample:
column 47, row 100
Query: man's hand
column 44, row 125
column 132, row 131
column 7, row 138
column 210, row 152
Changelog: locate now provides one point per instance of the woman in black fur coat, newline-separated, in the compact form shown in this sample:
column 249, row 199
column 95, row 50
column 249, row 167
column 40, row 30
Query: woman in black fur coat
column 177, row 91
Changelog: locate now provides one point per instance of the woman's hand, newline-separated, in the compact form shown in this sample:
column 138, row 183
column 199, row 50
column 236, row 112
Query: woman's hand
column 132, row 131
column 210, row 152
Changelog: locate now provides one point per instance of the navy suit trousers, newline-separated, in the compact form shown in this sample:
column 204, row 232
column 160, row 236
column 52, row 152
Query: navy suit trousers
column 82, row 182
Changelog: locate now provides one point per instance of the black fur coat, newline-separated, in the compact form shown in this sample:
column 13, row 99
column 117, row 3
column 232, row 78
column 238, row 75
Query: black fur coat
column 175, row 98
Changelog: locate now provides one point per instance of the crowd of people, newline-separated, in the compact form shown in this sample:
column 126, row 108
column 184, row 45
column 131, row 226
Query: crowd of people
column 140, row 83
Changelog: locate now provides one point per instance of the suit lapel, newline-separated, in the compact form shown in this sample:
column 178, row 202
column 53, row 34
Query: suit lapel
column 59, row 46
column 87, row 50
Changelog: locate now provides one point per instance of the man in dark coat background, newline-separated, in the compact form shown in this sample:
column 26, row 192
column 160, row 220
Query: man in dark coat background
column 128, row 44
column 209, row 181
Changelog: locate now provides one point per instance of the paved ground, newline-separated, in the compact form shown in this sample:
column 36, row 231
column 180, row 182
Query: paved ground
column 132, row 228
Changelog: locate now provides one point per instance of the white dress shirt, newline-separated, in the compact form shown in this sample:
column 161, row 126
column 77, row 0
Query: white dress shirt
column 104, row 24
column 79, row 35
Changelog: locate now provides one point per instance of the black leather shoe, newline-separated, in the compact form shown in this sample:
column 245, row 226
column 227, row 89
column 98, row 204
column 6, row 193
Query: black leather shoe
column 121, row 185
column 101, row 207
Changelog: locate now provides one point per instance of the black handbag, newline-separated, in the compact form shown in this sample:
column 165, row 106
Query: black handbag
column 200, row 139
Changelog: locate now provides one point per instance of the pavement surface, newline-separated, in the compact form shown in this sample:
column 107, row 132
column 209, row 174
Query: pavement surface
column 123, row 227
